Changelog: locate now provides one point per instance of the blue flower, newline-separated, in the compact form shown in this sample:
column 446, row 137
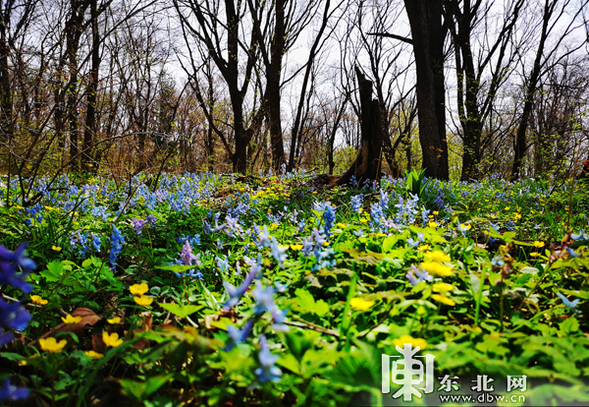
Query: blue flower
column 572, row 305
column 279, row 253
column 572, row 253
column 237, row 336
column 235, row 293
column 580, row 236
column 9, row 265
column 117, row 241
column 12, row 393
column 267, row 371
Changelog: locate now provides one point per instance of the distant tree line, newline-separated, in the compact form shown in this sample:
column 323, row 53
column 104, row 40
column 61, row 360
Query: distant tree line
column 463, row 88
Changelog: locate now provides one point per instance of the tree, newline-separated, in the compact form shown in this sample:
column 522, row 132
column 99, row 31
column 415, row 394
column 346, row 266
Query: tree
column 367, row 164
column 551, row 19
column 427, row 38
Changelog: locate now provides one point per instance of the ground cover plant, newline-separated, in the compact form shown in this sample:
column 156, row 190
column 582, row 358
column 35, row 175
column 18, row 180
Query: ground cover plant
column 224, row 290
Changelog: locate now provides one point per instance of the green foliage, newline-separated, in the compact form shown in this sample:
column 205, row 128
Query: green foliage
column 484, row 276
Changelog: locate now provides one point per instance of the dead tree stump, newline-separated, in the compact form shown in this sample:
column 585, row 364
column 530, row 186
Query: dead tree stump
column 367, row 162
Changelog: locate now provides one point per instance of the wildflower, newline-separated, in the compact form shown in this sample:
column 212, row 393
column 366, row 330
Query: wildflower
column 421, row 276
column 296, row 247
column 572, row 305
column 114, row 321
column 70, row 320
column 139, row 289
column 12, row 393
column 278, row 252
column 436, row 268
column 267, row 371
column 10, row 263
column 38, row 300
column 580, row 236
column 356, row 203
column 235, row 293
column 186, row 255
column 442, row 287
column 437, row 255
column 497, row 261
column 143, row 300
column 463, row 228
column 415, row 342
column 138, row 225
column 361, row 304
column 51, row 345
column 571, row 252
column 56, row 248
column 111, row 340
column 117, row 241
column 94, row 355
column 432, row 224
column 534, row 254
column 443, row 299
column 237, row 336
column 538, row 244
column 152, row 220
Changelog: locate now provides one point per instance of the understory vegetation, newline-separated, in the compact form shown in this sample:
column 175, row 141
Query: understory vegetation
column 189, row 290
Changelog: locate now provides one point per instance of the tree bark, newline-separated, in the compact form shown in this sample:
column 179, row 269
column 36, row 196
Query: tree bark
column 425, row 19
column 367, row 163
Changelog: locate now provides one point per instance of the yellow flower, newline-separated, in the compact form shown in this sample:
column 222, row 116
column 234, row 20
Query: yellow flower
column 507, row 208
column 56, row 248
column 442, row 287
column 437, row 255
column 114, row 321
column 274, row 226
column 361, row 304
column 38, row 300
column 24, row 362
column 112, row 339
column 534, row 254
column 439, row 269
column 71, row 320
column 340, row 225
column 443, row 299
column 51, row 345
column 424, row 247
column 296, row 247
column 139, row 289
column 436, row 213
column 94, row 355
column 538, row 244
column 143, row 300
column 517, row 216
column 415, row 342
column 432, row 224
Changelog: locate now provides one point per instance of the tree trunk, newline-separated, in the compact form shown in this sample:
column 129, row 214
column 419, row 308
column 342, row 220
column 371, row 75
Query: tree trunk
column 520, row 137
column 367, row 163
column 425, row 19
column 92, row 92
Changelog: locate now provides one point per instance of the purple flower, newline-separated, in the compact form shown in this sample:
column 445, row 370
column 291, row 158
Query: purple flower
column 152, row 220
column 138, row 225
column 12, row 393
column 235, row 293
column 267, row 371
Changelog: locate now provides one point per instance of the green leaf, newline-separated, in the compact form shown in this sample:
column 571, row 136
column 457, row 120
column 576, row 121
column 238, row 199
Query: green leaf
column 181, row 310
column 569, row 326
column 290, row 362
column 321, row 308
column 142, row 390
